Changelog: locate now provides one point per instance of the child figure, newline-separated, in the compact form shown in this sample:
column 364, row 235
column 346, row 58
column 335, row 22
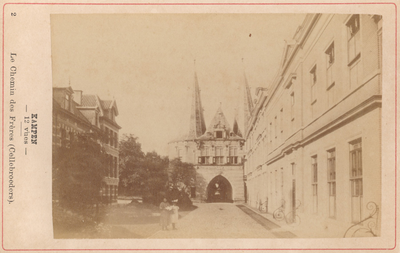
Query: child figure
column 174, row 214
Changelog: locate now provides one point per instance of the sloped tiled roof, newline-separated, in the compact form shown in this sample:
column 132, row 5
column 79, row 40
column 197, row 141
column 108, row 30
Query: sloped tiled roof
column 75, row 110
column 236, row 129
column 219, row 121
column 89, row 101
column 206, row 136
column 56, row 105
column 105, row 104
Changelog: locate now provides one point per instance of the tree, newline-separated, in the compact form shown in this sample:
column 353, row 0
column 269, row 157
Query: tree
column 141, row 174
column 157, row 177
column 182, row 177
column 181, row 174
column 78, row 172
column 131, row 167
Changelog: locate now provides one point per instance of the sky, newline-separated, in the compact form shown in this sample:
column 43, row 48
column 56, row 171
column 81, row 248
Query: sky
column 146, row 62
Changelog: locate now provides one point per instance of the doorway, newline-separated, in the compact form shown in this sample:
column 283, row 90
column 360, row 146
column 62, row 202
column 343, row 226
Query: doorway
column 219, row 190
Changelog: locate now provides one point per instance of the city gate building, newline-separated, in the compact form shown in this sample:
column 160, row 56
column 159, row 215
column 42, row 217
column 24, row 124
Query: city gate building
column 313, row 138
column 216, row 153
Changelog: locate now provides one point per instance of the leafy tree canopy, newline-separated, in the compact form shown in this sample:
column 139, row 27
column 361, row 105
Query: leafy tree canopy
column 141, row 174
column 78, row 170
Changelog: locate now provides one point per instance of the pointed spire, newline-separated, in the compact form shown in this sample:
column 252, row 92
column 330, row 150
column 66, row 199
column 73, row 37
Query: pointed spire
column 248, row 101
column 197, row 125
column 235, row 128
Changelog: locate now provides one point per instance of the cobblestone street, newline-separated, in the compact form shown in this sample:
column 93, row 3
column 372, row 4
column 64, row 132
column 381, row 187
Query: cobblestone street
column 219, row 220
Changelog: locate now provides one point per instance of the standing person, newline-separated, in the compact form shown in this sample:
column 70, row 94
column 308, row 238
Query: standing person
column 164, row 217
column 174, row 214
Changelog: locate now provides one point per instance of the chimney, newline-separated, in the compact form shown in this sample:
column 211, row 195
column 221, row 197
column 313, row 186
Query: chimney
column 78, row 97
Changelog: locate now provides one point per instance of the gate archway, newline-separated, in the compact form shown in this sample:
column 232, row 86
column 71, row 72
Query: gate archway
column 219, row 190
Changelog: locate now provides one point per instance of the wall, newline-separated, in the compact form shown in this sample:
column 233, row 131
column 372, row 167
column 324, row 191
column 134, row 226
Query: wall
column 338, row 108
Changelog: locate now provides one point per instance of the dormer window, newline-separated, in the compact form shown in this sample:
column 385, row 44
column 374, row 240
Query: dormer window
column 218, row 134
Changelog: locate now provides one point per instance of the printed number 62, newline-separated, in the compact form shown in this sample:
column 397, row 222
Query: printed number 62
column 13, row 14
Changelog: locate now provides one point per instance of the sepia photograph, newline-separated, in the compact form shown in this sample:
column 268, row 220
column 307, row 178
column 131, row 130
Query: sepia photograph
column 216, row 125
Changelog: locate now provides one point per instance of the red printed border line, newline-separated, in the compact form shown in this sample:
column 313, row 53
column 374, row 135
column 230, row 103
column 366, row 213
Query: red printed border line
column 204, row 4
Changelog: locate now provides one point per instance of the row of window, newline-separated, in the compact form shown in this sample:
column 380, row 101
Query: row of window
column 112, row 166
column 353, row 55
column 109, row 193
column 111, row 137
column 208, row 151
column 276, row 182
column 275, row 127
column 218, row 160
column 67, row 138
column 356, row 180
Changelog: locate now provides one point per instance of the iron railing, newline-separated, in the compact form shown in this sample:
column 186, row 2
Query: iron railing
column 368, row 225
column 291, row 217
column 262, row 206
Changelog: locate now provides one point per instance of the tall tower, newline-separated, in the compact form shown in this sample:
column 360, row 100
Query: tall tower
column 248, row 103
column 216, row 152
column 197, row 125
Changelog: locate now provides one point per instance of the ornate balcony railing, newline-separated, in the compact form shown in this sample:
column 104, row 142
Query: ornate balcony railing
column 368, row 225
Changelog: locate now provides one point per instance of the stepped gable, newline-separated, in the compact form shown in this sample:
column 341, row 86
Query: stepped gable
column 218, row 123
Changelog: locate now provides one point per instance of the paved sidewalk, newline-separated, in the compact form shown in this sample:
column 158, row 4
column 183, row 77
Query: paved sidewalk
column 217, row 220
column 275, row 229
column 306, row 228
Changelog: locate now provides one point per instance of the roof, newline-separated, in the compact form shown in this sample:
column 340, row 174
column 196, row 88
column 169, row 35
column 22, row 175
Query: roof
column 219, row 121
column 94, row 101
column 75, row 111
column 236, row 129
column 89, row 101
column 90, row 115
column 65, row 88
column 108, row 105
column 105, row 104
